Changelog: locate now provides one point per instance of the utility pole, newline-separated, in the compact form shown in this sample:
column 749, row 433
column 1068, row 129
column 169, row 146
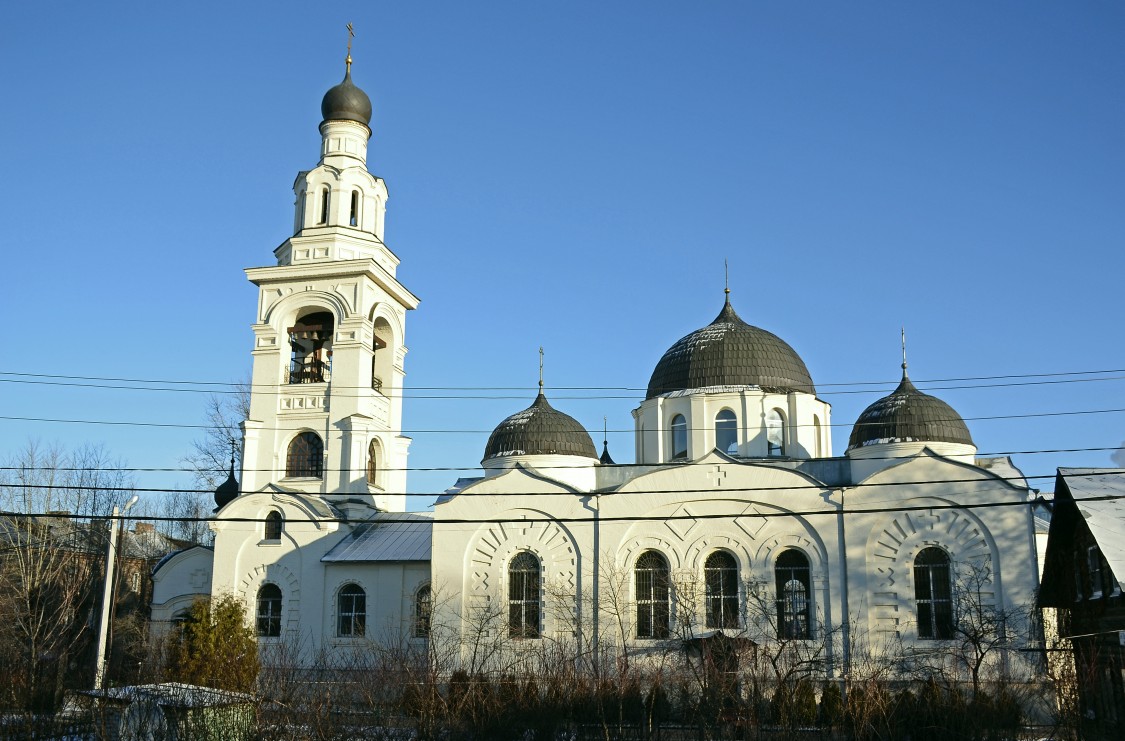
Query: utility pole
column 115, row 526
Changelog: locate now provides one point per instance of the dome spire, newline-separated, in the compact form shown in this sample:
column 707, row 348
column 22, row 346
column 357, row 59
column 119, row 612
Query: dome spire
column 606, row 459
column 726, row 281
column 904, row 352
column 348, row 58
column 227, row 491
column 346, row 102
column 540, row 370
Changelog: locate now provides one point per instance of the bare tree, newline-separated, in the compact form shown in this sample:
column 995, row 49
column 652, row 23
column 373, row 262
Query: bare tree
column 50, row 562
column 209, row 462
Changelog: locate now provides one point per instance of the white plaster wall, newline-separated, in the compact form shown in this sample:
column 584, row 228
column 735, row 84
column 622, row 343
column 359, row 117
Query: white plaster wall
column 183, row 578
column 573, row 470
column 652, row 421
column 870, row 459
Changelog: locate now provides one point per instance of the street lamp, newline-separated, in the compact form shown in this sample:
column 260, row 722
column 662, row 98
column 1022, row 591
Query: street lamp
column 116, row 524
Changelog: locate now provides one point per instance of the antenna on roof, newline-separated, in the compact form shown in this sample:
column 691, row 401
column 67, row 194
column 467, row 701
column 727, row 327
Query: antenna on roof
column 348, row 59
column 540, row 369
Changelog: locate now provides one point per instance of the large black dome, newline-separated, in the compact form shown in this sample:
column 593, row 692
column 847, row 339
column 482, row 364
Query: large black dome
column 346, row 102
column 908, row 415
column 730, row 352
column 540, row 430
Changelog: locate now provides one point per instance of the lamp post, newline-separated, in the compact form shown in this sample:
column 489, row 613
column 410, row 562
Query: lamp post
column 115, row 526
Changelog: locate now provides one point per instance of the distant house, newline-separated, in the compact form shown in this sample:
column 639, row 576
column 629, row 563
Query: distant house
column 51, row 579
column 1085, row 555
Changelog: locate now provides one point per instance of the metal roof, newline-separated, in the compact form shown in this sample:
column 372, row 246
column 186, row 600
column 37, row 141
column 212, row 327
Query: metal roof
column 398, row 536
column 540, row 430
column 346, row 102
column 908, row 415
column 730, row 352
column 1104, row 517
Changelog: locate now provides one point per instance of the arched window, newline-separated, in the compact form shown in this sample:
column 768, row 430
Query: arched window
column 817, row 446
column 269, row 611
column 273, row 525
column 653, row 593
column 726, row 432
column 310, row 345
column 792, row 577
column 720, row 576
column 324, row 206
column 353, row 215
column 775, row 433
column 373, row 450
column 382, row 362
column 423, row 611
column 523, row 596
column 679, row 437
column 306, row 456
column 933, row 594
column 351, row 611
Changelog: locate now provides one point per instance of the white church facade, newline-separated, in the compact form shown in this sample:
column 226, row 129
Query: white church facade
column 736, row 516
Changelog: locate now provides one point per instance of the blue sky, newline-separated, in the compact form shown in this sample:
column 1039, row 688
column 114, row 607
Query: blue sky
column 573, row 175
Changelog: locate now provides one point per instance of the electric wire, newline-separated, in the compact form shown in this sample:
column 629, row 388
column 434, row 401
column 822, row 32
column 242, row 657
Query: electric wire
column 410, row 432
column 340, row 391
column 425, row 519
column 221, row 469
column 241, row 387
column 821, row 487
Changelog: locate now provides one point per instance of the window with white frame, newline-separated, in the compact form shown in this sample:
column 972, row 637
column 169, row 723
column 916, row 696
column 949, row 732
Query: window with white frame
column 933, row 594
column 775, row 433
column 351, row 611
column 726, row 432
column 653, row 594
column 720, row 577
column 679, row 437
column 791, row 575
column 269, row 611
column 523, row 595
column 305, row 457
column 423, row 611
column 273, row 526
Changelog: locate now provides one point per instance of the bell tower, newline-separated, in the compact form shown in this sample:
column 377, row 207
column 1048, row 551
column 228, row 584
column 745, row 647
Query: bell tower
column 329, row 336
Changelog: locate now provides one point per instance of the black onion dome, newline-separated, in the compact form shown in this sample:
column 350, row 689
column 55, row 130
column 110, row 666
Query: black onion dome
column 226, row 491
column 908, row 415
column 540, row 430
column 346, row 102
column 730, row 352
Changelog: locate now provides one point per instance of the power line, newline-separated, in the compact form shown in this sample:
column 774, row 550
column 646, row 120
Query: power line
column 241, row 387
column 592, row 519
column 224, row 467
column 709, row 490
column 412, row 393
column 409, row 432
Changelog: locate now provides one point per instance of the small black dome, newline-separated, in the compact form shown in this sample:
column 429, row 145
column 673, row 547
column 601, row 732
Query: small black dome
column 730, row 352
column 227, row 491
column 907, row 416
column 346, row 102
column 540, row 430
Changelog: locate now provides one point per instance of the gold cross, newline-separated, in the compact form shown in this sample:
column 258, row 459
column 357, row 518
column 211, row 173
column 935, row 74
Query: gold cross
column 351, row 35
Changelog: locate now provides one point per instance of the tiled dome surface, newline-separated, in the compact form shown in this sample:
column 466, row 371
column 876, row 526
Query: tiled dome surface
column 540, row 430
column 730, row 352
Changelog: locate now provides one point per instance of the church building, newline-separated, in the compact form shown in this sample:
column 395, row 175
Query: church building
column 735, row 516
